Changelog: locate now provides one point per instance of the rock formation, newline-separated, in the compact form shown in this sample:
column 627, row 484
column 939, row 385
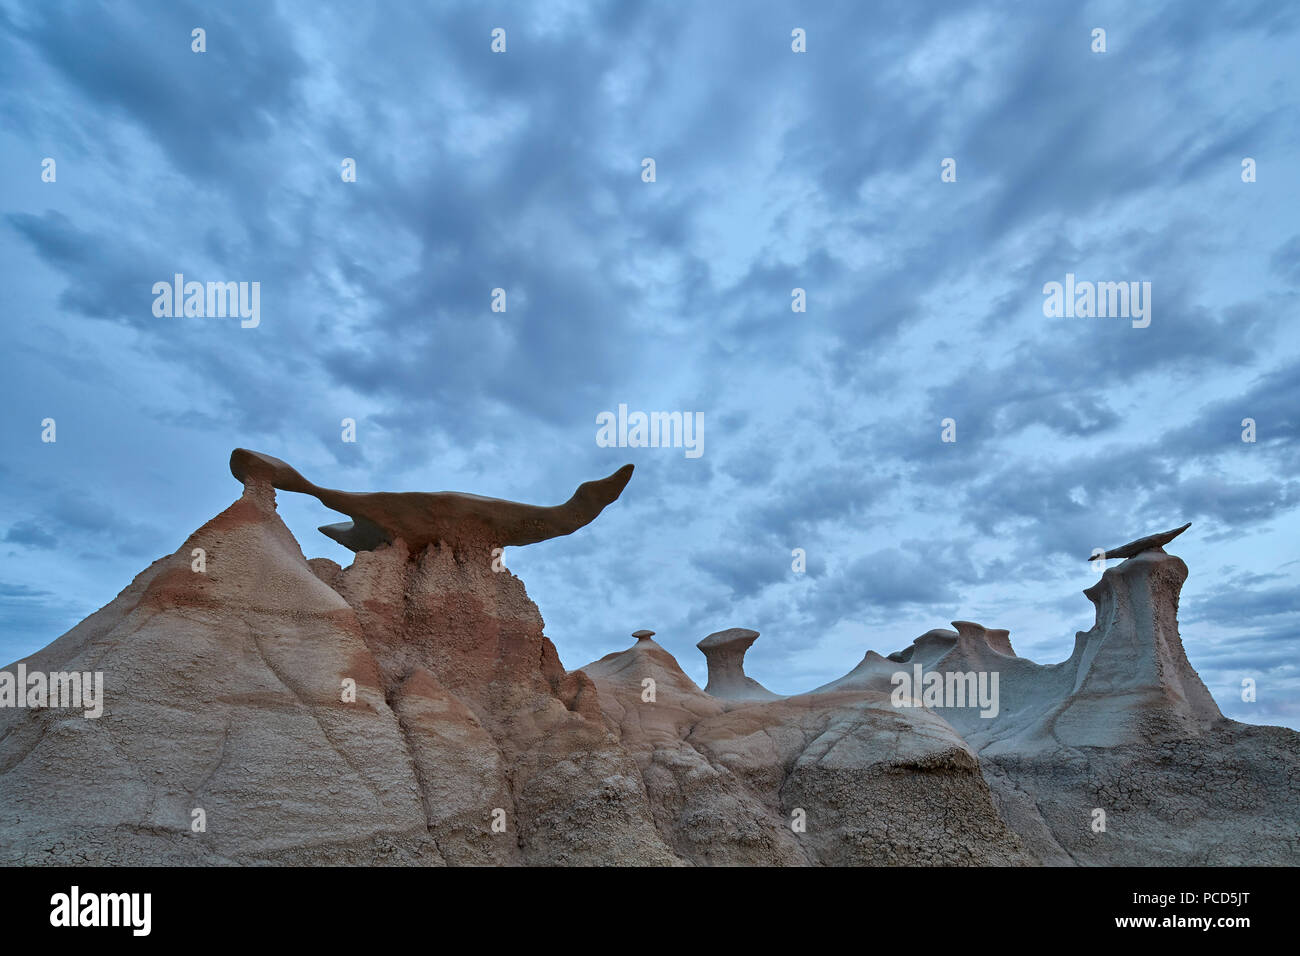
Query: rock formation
column 394, row 711
column 421, row 518
column 725, row 652
column 409, row 709
column 1149, row 543
column 727, row 779
column 1124, row 725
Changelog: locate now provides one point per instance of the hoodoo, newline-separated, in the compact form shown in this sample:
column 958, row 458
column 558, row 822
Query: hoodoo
column 725, row 652
column 410, row 709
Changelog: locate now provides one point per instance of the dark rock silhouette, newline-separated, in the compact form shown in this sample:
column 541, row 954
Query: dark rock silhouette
column 421, row 518
column 1134, row 548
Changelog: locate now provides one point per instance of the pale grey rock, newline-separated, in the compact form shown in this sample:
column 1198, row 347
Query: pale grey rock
column 725, row 653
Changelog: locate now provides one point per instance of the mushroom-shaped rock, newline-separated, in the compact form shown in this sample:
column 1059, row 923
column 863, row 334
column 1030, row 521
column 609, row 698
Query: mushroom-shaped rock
column 725, row 652
column 1149, row 543
column 643, row 635
column 420, row 518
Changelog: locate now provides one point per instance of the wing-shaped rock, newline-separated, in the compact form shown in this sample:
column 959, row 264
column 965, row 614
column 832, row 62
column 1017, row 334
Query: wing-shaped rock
column 420, row 518
column 1150, row 542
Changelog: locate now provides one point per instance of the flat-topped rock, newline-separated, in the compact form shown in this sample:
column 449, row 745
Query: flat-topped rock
column 733, row 637
column 725, row 653
column 420, row 518
column 996, row 639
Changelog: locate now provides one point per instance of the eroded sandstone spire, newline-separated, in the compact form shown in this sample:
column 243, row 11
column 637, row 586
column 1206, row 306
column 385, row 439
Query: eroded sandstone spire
column 725, row 652
column 420, row 518
column 460, row 710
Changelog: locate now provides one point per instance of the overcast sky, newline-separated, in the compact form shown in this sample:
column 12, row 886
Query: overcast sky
column 774, row 170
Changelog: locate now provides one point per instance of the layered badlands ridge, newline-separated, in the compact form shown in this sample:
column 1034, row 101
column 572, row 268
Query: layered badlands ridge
column 223, row 694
